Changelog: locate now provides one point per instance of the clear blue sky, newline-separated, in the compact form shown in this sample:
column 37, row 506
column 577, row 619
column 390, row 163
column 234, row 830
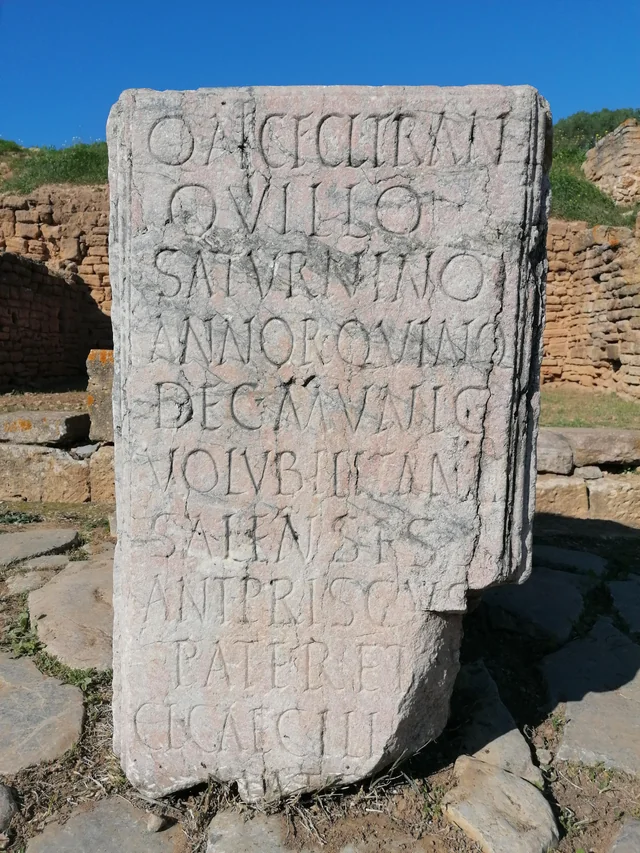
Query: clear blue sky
column 64, row 63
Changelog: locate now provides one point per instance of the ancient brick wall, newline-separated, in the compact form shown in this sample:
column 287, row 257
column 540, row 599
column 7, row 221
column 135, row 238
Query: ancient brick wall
column 67, row 228
column 592, row 334
column 614, row 164
column 48, row 323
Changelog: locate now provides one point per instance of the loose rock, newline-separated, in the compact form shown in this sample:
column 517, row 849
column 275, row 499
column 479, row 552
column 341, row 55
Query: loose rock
column 628, row 841
column 73, row 613
column 48, row 561
column 40, row 718
column 580, row 561
column 599, row 679
column 33, row 543
column 491, row 734
column 546, row 605
column 111, row 826
column 8, row 807
column 500, row 811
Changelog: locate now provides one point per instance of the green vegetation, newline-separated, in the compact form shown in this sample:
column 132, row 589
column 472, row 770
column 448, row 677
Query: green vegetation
column 574, row 197
column 574, row 407
column 29, row 168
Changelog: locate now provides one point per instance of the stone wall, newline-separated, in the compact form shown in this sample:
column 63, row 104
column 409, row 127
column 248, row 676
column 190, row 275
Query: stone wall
column 67, row 228
column 614, row 164
column 48, row 323
column 592, row 334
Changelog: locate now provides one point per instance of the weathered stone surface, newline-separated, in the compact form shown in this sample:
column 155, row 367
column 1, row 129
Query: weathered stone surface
column 603, row 446
column 491, row 733
column 613, row 164
column 102, row 476
column 562, row 495
column 547, row 605
column 501, row 812
column 47, row 561
column 27, row 581
column 73, row 613
column 589, row 472
column 628, row 840
column 599, row 679
column 33, row 543
column 52, row 428
column 580, row 561
column 616, row 498
column 99, row 389
column 554, row 453
column 626, row 598
column 7, row 807
column 36, row 473
column 40, row 718
column 110, row 826
column 327, row 353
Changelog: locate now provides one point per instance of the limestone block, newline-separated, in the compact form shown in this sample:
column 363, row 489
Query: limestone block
column 327, row 311
column 99, row 390
column 52, row 428
column 101, row 475
column 554, row 453
column 36, row 473
column 616, row 498
column 603, row 446
column 34, row 543
column 562, row 496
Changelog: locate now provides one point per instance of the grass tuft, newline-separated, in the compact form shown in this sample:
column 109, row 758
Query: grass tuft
column 78, row 164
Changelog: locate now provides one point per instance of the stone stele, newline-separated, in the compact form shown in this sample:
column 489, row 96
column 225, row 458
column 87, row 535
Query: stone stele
column 328, row 305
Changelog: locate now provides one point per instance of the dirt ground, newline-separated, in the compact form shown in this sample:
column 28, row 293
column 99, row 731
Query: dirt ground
column 405, row 803
column 45, row 401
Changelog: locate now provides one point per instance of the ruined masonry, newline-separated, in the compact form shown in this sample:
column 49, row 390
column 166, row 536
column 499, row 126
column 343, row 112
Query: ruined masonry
column 328, row 306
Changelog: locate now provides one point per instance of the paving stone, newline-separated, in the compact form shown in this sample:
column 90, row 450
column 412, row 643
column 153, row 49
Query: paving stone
column 8, row 807
column 598, row 677
column 73, row 613
column 47, row 561
column 491, row 733
column 321, row 443
column 40, row 718
column 628, row 840
column 548, row 604
column 33, row 543
column 554, row 453
column 500, row 811
column 27, row 581
column 626, row 598
column 581, row 561
column 49, row 428
column 109, row 826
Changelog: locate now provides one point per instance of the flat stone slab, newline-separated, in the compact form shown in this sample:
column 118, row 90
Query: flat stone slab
column 491, row 733
column 499, row 811
column 109, row 826
column 53, row 428
column 27, row 581
column 47, row 561
column 33, row 543
column 628, row 841
column 328, row 320
column 548, row 604
column 626, row 598
column 40, row 718
column 599, row 679
column 554, row 453
column 73, row 613
column 580, row 561
column 603, row 446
